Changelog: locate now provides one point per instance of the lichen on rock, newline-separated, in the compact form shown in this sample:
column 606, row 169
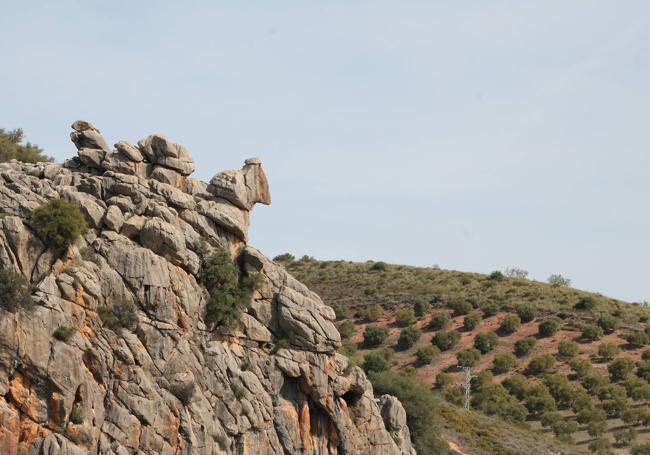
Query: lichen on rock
column 171, row 385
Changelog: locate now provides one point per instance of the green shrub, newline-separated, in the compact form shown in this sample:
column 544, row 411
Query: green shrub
column 375, row 361
column 548, row 327
column 421, row 410
column 183, row 391
column 567, row 350
column 373, row 336
column 445, row 340
column 608, row 351
column 486, row 342
column 468, row 357
column 405, row 317
column 509, row 325
column 346, row 329
column 526, row 312
column 340, row 311
column 378, row 267
column 586, row 303
column 645, row 355
column 592, row 332
column 425, row 355
column 443, row 380
column 121, row 315
column 408, row 337
column 230, row 292
column 421, row 307
column 637, row 339
column 581, row 367
column 490, row 309
column 620, row 368
column 559, row 281
column 517, row 385
column 594, row 382
column 371, row 313
column 439, row 320
column 285, row 258
column 601, row 446
column 63, row 333
column 608, row 323
column 641, row 449
column 471, row 321
column 524, row 346
column 539, row 401
column 644, row 370
column 625, row 437
column 59, row 223
column 541, row 364
column 496, row 276
column 15, row 291
column 460, row 307
column 75, row 415
column 503, row 362
column 11, row 148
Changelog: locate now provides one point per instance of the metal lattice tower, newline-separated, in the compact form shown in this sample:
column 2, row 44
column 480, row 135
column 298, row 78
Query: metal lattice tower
column 468, row 385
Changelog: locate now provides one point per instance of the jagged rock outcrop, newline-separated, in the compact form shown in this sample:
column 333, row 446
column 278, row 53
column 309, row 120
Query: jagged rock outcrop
column 172, row 385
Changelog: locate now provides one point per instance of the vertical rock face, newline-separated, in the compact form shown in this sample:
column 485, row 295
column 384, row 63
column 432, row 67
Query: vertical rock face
column 172, row 385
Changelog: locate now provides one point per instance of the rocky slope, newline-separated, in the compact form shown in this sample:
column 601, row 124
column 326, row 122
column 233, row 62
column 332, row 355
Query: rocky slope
column 276, row 386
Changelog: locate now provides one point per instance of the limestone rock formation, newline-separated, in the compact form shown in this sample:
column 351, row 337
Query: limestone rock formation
column 172, row 385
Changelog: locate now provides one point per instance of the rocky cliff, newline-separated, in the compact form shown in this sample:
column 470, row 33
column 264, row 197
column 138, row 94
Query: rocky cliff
column 172, row 385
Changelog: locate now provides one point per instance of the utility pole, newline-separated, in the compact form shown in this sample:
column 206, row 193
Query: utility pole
column 468, row 385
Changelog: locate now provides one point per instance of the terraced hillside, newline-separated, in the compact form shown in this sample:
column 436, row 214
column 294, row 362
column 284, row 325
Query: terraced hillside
column 547, row 359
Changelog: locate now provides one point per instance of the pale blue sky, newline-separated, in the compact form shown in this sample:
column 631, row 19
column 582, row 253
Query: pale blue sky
column 473, row 135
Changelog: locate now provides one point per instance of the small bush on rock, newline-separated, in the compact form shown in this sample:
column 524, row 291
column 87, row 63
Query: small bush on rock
column 59, row 223
column 15, row 291
column 230, row 291
column 120, row 315
column 183, row 391
column 63, row 333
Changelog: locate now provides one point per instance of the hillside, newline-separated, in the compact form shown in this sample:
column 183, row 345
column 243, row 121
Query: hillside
column 135, row 317
column 588, row 382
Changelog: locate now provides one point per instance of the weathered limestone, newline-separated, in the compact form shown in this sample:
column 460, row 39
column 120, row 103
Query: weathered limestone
column 172, row 385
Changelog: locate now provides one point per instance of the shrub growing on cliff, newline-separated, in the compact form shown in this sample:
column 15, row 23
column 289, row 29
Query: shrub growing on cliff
column 63, row 333
column 11, row 147
column 15, row 291
column 59, row 223
column 121, row 315
column 230, row 291
column 421, row 409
